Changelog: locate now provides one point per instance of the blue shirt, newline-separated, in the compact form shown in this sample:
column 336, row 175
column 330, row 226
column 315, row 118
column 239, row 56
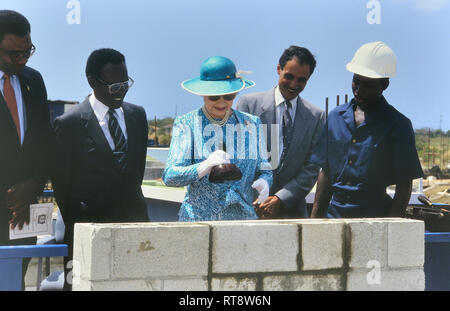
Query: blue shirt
column 362, row 161
column 191, row 144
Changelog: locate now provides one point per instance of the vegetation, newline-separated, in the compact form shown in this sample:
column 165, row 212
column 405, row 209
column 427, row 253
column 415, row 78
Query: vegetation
column 433, row 148
column 160, row 130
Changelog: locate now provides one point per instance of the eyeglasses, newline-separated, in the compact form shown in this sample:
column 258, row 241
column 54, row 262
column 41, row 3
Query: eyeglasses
column 225, row 97
column 116, row 87
column 16, row 55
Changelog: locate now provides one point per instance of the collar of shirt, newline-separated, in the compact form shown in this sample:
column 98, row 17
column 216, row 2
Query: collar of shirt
column 15, row 83
column 376, row 113
column 279, row 99
column 101, row 110
column 14, row 79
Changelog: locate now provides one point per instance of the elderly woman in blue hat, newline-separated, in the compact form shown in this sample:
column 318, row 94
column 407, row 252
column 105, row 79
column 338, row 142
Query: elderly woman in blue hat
column 217, row 152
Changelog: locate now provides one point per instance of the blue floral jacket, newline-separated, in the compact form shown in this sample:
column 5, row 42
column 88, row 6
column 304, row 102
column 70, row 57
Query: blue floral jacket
column 194, row 137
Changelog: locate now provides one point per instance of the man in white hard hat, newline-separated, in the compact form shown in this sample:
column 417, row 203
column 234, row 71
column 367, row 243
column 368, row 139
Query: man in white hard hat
column 367, row 145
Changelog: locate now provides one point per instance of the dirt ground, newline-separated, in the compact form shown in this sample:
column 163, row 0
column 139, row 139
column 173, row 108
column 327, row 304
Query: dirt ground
column 437, row 190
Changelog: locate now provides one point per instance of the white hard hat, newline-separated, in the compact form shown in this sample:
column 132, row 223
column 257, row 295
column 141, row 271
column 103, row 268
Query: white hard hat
column 374, row 60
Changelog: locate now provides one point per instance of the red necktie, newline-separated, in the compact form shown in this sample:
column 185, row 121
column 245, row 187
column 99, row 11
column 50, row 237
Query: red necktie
column 10, row 98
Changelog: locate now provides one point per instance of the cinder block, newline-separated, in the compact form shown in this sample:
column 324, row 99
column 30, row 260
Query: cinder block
column 316, row 282
column 406, row 244
column 82, row 285
column 368, row 242
column 233, row 284
column 125, row 285
column 92, row 252
column 254, row 247
column 160, row 250
column 199, row 284
column 322, row 245
column 386, row 280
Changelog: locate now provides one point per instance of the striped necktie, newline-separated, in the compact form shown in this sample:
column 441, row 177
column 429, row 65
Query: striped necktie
column 10, row 98
column 287, row 129
column 120, row 143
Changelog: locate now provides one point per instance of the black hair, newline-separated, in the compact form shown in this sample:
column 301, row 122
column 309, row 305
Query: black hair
column 12, row 22
column 100, row 58
column 303, row 55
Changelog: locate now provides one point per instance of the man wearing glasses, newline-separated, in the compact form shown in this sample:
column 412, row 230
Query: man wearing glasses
column 101, row 149
column 24, row 128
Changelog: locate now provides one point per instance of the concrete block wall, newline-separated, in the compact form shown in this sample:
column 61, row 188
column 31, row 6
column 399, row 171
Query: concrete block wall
column 268, row 255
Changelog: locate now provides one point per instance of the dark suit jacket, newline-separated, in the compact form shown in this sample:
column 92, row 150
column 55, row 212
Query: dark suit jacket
column 31, row 160
column 89, row 184
column 294, row 178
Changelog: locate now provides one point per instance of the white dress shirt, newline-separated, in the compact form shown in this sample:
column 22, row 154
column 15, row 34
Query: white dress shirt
column 280, row 106
column 15, row 83
column 101, row 112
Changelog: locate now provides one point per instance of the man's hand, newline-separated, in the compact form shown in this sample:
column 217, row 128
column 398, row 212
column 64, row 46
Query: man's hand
column 20, row 218
column 270, row 208
column 18, row 200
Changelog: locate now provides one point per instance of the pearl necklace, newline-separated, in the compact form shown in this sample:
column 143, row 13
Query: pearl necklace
column 214, row 121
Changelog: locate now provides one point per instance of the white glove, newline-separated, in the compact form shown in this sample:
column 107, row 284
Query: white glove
column 216, row 158
column 262, row 187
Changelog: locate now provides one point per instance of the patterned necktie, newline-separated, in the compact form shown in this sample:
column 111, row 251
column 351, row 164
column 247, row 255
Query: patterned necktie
column 120, row 143
column 287, row 129
column 10, row 98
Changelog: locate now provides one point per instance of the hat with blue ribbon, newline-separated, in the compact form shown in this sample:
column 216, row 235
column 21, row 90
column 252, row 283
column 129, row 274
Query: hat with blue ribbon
column 218, row 76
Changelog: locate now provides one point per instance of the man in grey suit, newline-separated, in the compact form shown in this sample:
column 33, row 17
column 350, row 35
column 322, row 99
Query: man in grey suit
column 293, row 128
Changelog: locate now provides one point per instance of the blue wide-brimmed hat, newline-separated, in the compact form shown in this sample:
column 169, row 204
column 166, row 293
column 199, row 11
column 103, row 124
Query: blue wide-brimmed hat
column 218, row 76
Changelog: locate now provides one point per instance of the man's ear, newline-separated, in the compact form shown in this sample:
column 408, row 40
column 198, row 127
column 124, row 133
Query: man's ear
column 278, row 69
column 92, row 82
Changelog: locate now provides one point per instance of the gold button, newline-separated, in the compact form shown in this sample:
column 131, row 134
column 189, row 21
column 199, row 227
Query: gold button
column 350, row 162
column 354, row 141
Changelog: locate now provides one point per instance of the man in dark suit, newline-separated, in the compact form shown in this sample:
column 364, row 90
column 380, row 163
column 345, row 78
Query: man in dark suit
column 293, row 128
column 101, row 149
column 25, row 134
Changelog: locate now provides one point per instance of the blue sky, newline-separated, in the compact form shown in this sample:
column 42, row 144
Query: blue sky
column 165, row 42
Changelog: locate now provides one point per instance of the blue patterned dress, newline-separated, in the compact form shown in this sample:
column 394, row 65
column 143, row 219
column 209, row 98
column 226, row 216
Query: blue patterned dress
column 194, row 137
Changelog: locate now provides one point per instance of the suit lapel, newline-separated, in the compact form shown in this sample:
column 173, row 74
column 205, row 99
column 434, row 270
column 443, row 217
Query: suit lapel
column 301, row 124
column 130, row 122
column 27, row 105
column 268, row 116
column 90, row 122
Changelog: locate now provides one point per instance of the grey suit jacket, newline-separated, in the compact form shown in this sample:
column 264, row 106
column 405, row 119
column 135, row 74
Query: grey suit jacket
column 294, row 178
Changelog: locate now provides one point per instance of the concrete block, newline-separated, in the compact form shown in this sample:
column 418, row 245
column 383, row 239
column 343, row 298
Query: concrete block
column 199, row 284
column 367, row 242
column 233, row 284
column 92, row 252
column 322, row 245
column 125, row 285
column 155, row 250
column 386, row 280
column 82, row 286
column 406, row 244
column 254, row 247
column 298, row 282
